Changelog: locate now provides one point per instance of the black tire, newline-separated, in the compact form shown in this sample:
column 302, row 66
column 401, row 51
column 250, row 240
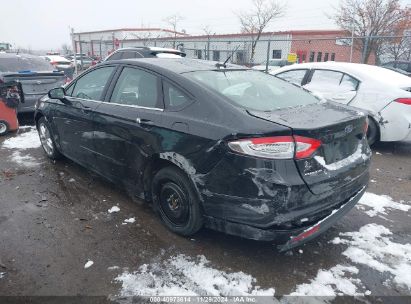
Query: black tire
column 373, row 133
column 47, row 141
column 4, row 127
column 176, row 201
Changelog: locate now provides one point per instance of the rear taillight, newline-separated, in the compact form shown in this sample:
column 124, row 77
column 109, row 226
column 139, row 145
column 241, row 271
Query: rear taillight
column 53, row 62
column 279, row 147
column 406, row 101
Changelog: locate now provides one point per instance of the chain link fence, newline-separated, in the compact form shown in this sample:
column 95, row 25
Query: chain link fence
column 269, row 53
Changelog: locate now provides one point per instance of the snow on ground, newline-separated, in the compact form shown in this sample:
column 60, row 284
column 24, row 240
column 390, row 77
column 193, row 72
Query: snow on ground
column 379, row 204
column 24, row 160
column 88, row 264
column 27, row 140
column 333, row 282
column 130, row 220
column 184, row 276
column 371, row 246
column 2, row 274
column 113, row 209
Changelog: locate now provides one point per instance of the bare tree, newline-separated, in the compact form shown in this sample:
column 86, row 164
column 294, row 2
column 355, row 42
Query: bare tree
column 173, row 21
column 368, row 19
column 66, row 49
column 254, row 22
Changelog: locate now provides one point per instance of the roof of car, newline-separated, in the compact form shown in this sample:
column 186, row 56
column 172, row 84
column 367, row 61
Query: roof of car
column 179, row 65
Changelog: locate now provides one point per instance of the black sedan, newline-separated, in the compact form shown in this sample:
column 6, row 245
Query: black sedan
column 213, row 145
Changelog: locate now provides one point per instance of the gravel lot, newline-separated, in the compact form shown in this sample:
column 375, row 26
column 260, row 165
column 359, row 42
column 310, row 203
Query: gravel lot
column 57, row 237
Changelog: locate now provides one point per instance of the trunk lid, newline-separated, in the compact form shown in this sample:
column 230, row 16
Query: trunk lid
column 37, row 83
column 344, row 153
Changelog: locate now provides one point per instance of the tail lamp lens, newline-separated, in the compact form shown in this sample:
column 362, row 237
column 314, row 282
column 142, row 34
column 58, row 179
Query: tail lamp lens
column 279, row 147
column 406, row 101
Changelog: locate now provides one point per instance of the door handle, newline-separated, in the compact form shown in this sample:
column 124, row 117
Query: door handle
column 85, row 109
column 143, row 121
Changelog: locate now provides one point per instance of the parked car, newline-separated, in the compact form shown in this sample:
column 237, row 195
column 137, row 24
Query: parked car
column 273, row 64
column 403, row 67
column 385, row 95
column 144, row 52
column 61, row 64
column 83, row 61
column 36, row 75
column 213, row 145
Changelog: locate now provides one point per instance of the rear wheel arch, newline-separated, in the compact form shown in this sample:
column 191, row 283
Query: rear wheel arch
column 155, row 164
column 373, row 133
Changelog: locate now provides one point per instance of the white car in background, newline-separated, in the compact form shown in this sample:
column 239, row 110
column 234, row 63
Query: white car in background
column 61, row 64
column 384, row 94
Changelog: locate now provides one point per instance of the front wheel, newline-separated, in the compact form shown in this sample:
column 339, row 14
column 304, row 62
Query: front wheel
column 46, row 139
column 176, row 201
column 4, row 127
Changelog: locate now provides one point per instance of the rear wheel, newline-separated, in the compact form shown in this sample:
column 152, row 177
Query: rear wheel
column 46, row 139
column 372, row 132
column 176, row 201
column 4, row 127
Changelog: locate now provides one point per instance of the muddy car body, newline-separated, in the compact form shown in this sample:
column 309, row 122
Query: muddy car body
column 177, row 132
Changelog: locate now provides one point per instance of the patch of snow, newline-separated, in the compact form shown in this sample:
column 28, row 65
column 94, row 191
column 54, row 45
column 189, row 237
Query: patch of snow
column 23, row 141
column 72, row 180
column 130, row 220
column 2, row 275
column 344, row 162
column 24, row 160
column 372, row 247
column 113, row 268
column 330, row 283
column 300, row 251
column 373, row 181
column 262, row 209
column 113, row 209
column 88, row 264
column 184, row 276
column 380, row 204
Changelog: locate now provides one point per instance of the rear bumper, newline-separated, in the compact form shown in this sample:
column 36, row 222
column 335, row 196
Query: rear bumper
column 287, row 239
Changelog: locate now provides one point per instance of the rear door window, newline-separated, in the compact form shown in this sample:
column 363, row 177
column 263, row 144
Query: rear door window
column 174, row 98
column 138, row 88
column 91, row 85
column 294, row 76
column 128, row 55
column 333, row 85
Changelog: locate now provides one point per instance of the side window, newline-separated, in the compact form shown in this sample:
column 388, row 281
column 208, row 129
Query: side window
column 136, row 87
column 115, row 56
column 128, row 55
column 348, row 83
column 326, row 79
column 91, row 85
column 174, row 97
column 294, row 76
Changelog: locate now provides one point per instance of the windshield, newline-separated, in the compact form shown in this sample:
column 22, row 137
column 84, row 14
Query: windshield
column 254, row 90
column 24, row 63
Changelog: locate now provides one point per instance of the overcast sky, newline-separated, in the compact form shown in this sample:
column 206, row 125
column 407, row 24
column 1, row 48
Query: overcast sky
column 44, row 24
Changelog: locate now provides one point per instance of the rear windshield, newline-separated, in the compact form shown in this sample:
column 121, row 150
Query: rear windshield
column 24, row 63
column 253, row 89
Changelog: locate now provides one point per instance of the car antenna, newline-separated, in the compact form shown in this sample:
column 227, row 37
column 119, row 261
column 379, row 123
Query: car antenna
column 224, row 65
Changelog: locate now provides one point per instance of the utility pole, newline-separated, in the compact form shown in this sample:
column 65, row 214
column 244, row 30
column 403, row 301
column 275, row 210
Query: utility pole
column 73, row 41
column 81, row 52
column 352, row 38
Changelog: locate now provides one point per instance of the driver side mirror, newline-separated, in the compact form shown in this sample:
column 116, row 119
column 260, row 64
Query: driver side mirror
column 58, row 93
